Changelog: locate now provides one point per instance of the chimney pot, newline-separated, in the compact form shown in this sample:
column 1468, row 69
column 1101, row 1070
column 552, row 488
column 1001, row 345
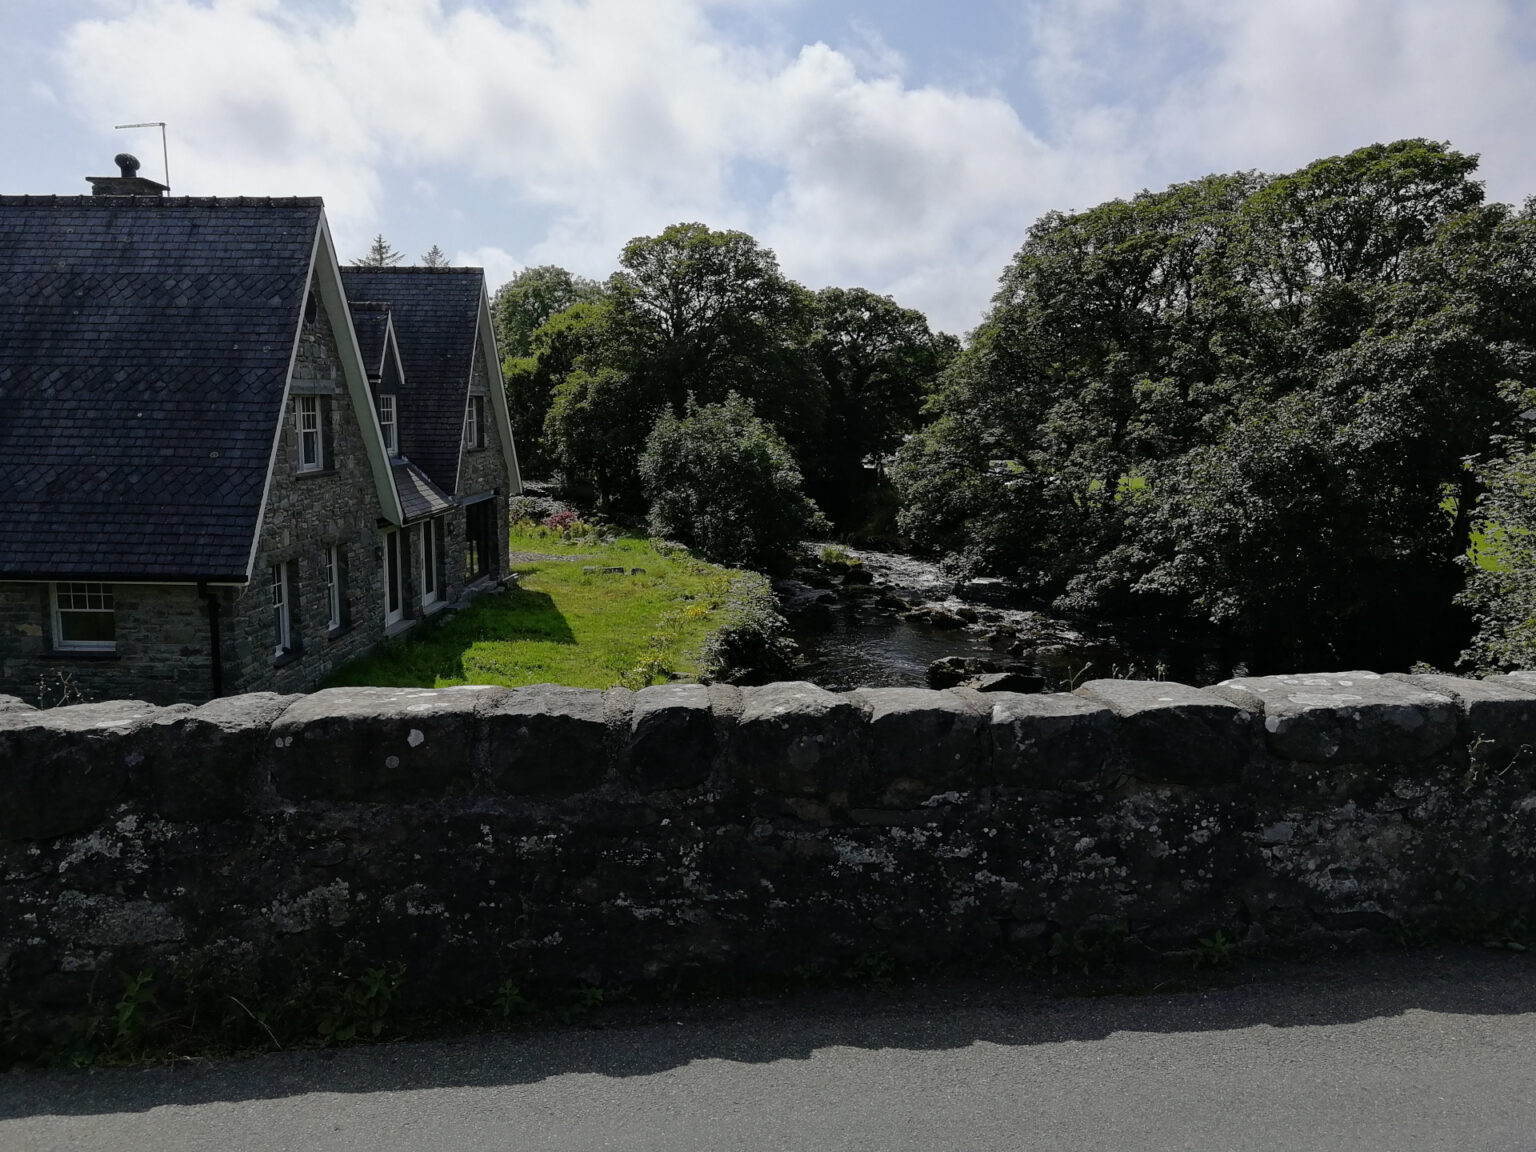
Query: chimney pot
column 127, row 164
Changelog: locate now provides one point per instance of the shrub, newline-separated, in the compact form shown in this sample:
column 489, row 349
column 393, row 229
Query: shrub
column 722, row 481
column 752, row 646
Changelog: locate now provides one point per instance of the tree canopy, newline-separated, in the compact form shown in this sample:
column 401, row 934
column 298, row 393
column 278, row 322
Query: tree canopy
column 839, row 375
column 525, row 302
column 1245, row 400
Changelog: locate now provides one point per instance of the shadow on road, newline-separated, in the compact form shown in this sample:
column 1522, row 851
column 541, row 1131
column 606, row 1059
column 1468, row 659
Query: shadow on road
column 947, row 1015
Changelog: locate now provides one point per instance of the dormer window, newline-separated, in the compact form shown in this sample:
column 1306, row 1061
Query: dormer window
column 387, row 423
column 474, row 423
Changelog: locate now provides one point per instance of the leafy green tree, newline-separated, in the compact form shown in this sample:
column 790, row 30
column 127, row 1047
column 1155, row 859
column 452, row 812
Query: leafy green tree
column 590, row 433
column 527, row 301
column 721, row 480
column 379, row 255
column 702, row 313
column 1242, row 401
column 568, row 338
column 880, row 361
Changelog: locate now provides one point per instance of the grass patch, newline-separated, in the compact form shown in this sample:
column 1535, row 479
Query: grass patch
column 562, row 625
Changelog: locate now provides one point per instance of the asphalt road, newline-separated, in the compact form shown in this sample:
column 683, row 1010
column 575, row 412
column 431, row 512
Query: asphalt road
column 1434, row 1050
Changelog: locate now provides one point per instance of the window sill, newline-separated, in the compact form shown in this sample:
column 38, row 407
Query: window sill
column 433, row 608
column 311, row 473
column 400, row 626
column 292, row 655
column 334, row 634
column 86, row 654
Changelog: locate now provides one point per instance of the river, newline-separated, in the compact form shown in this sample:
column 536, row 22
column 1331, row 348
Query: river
column 861, row 639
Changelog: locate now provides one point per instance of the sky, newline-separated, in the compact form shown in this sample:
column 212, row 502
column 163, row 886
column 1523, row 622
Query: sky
column 896, row 145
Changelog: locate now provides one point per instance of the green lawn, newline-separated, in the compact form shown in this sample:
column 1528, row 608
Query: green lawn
column 563, row 626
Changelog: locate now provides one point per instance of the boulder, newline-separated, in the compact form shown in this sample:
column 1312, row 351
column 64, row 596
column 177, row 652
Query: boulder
column 1007, row 681
column 950, row 671
column 986, row 590
column 855, row 576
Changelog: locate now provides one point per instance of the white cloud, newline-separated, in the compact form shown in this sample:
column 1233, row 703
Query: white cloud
column 569, row 126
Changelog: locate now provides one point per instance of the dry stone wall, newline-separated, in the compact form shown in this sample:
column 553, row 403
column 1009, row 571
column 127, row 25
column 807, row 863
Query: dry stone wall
column 480, row 835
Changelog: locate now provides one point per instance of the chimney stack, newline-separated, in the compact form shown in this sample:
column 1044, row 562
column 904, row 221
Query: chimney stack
column 127, row 183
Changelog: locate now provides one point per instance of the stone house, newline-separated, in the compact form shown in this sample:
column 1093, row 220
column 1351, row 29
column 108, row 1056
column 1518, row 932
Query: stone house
column 199, row 496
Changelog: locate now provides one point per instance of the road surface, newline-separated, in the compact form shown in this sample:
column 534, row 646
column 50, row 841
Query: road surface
column 1429, row 1050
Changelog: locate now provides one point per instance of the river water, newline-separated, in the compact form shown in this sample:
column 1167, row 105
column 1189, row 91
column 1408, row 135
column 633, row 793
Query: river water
column 861, row 643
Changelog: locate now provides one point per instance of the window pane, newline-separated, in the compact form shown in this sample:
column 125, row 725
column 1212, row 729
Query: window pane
column 87, row 627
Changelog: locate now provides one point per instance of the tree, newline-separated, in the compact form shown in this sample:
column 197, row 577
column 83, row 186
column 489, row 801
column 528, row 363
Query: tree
column 434, row 258
column 527, row 301
column 721, row 480
column 569, row 338
column 379, row 255
column 691, row 312
column 703, row 313
column 880, row 361
column 1242, row 401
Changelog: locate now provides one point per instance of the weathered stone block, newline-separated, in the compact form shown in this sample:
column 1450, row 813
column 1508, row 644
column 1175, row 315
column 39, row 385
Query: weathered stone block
column 1346, row 717
column 375, row 744
column 1498, row 718
column 1055, row 741
column 64, row 768
column 1175, row 734
column 796, row 739
column 671, row 737
column 1525, row 681
column 920, row 743
column 207, row 764
column 546, row 740
column 14, row 704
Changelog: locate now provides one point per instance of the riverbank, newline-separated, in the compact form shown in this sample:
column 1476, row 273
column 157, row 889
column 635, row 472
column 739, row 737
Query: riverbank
column 587, row 610
column 866, row 618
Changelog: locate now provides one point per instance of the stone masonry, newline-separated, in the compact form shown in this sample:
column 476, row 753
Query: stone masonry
column 163, row 646
column 305, row 514
column 548, row 835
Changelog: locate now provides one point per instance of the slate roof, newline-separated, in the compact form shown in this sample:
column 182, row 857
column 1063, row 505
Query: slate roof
column 418, row 496
column 370, row 319
column 435, row 313
column 144, row 349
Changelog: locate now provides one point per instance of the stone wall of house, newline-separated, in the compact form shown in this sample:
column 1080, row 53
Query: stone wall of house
column 550, row 835
column 307, row 513
column 163, row 647
column 485, row 469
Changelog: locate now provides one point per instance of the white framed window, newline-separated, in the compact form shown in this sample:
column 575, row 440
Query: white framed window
column 474, row 423
column 282, row 611
column 431, row 562
column 394, row 591
column 84, row 618
column 333, row 597
column 387, row 423
column 309, row 427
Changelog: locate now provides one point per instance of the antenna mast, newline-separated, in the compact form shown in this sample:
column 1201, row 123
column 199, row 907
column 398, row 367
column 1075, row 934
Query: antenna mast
column 165, row 158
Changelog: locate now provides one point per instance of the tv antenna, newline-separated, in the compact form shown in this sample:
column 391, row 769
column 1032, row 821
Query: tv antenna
column 165, row 158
